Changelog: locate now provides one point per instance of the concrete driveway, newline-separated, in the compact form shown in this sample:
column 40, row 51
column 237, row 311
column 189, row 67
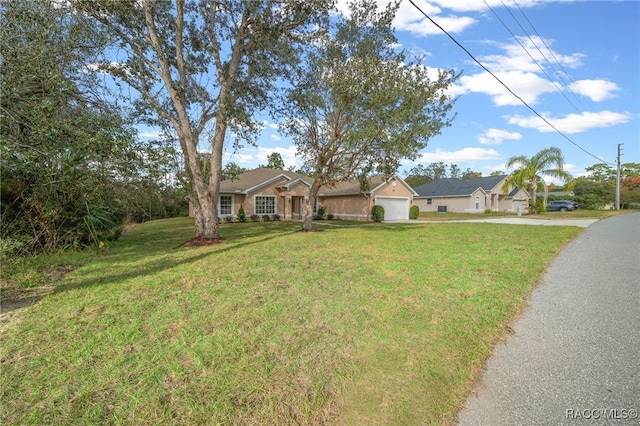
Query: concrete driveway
column 583, row 223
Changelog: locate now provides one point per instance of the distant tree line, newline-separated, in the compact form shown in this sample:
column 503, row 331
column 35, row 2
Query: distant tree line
column 421, row 174
column 597, row 190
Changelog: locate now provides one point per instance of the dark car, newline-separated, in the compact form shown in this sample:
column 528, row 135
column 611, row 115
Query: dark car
column 560, row 206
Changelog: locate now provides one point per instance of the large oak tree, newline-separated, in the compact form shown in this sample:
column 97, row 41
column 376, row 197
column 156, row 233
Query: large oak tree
column 203, row 68
column 359, row 106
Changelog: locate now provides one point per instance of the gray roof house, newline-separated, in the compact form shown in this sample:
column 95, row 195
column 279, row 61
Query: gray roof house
column 470, row 196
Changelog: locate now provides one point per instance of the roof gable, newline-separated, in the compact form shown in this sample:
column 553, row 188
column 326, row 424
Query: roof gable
column 260, row 177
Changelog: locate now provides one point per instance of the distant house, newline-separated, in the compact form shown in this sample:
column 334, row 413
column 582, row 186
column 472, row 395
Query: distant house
column 470, row 196
column 265, row 191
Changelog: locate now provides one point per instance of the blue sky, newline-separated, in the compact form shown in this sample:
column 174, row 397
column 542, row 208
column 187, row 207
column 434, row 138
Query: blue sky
column 580, row 70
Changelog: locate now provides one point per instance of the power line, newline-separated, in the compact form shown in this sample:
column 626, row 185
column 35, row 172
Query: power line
column 543, row 55
column 503, row 84
column 573, row 84
column 527, row 50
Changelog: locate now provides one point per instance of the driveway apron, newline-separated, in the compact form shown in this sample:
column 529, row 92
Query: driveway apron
column 574, row 357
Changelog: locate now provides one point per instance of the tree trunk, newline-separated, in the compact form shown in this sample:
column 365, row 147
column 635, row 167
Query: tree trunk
column 307, row 224
column 203, row 200
column 534, row 193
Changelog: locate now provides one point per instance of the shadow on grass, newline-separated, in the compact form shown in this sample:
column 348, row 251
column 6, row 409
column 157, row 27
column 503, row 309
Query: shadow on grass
column 126, row 257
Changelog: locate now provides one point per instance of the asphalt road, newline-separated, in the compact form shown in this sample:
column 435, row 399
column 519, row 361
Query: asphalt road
column 574, row 358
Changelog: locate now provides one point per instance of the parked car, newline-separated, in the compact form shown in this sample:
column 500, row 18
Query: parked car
column 560, row 205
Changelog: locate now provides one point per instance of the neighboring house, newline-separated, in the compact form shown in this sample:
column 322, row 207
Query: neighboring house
column 470, row 195
column 265, row 191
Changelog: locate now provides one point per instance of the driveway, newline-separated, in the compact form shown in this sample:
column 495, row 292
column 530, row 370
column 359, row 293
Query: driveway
column 573, row 358
column 583, row 223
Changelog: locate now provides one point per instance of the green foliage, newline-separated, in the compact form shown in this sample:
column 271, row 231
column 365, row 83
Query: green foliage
column 414, row 212
column 275, row 161
column 372, row 105
column 242, row 217
column 377, row 213
column 529, row 171
column 231, row 171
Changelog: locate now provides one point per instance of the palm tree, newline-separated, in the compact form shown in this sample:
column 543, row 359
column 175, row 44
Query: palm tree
column 529, row 173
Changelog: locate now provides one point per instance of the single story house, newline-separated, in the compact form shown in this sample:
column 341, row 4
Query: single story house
column 470, row 196
column 265, row 191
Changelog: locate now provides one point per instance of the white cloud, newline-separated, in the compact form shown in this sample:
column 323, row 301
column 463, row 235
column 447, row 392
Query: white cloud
column 536, row 55
column 478, row 5
column 497, row 136
column 464, row 155
column 596, row 90
column 525, row 84
column 572, row 123
column 253, row 156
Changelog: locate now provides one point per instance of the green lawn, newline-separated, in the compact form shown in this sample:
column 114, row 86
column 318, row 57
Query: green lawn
column 376, row 324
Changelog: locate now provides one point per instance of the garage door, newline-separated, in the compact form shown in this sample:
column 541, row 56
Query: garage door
column 394, row 208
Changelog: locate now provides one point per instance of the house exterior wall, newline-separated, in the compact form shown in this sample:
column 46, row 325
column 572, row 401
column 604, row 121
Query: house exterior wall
column 463, row 204
column 519, row 201
column 348, row 207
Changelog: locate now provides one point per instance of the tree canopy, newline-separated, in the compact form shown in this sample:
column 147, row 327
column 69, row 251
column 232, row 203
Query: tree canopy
column 358, row 106
column 530, row 171
column 202, row 68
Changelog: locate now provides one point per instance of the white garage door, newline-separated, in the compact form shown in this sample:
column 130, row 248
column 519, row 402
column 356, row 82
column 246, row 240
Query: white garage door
column 394, row 208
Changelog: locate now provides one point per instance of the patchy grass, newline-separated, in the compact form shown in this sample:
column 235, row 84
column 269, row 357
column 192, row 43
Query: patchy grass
column 384, row 324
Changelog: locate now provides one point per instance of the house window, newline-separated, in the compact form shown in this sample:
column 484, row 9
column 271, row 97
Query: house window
column 477, row 203
column 226, row 205
column 429, row 201
column 265, row 204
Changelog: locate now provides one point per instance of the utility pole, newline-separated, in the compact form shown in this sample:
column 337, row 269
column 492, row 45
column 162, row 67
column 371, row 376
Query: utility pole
column 618, row 179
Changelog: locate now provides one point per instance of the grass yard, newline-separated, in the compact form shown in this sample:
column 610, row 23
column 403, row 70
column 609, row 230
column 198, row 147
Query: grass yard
column 376, row 324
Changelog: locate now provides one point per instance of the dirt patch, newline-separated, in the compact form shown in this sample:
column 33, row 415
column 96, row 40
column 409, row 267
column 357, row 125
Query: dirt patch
column 12, row 307
column 201, row 242
column 14, row 298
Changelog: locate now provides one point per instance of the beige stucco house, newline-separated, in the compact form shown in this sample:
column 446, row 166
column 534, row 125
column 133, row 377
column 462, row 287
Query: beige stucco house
column 265, row 191
column 470, row 196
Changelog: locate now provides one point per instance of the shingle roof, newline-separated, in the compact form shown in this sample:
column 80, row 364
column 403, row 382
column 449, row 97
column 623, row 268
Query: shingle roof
column 256, row 178
column 262, row 175
column 458, row 187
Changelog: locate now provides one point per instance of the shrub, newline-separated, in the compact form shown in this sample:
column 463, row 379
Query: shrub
column 321, row 212
column 275, row 217
column 414, row 212
column 242, row 217
column 229, row 219
column 254, row 218
column 487, row 211
column 316, row 216
column 377, row 213
column 266, row 217
column 330, row 216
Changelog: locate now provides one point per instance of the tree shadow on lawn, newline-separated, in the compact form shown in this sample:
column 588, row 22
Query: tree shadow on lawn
column 162, row 263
